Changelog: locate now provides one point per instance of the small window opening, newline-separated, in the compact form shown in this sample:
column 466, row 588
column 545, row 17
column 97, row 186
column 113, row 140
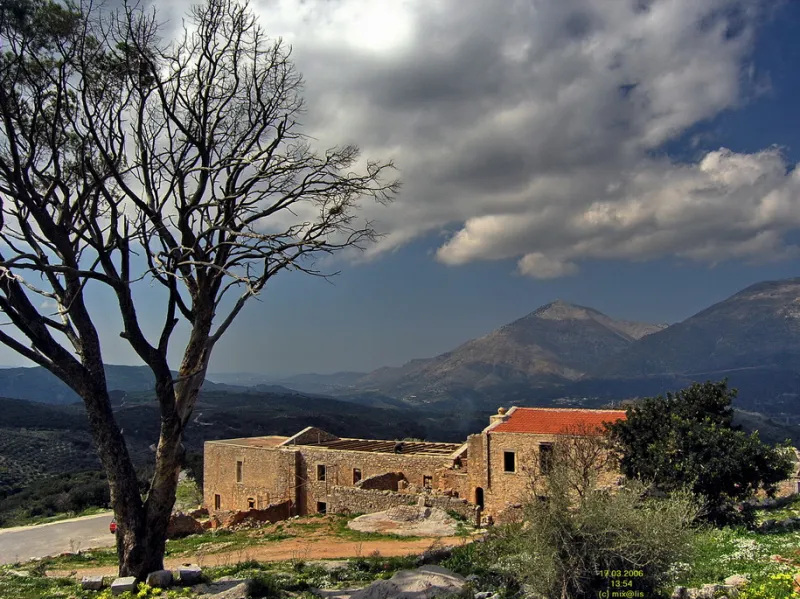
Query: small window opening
column 356, row 475
column 545, row 458
column 321, row 471
column 509, row 461
column 239, row 468
column 427, row 482
column 322, row 507
column 251, row 503
column 217, row 502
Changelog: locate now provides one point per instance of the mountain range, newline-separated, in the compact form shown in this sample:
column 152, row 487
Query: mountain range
column 560, row 353
column 563, row 352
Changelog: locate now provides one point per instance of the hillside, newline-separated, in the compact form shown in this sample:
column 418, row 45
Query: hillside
column 39, row 439
column 39, row 384
column 755, row 328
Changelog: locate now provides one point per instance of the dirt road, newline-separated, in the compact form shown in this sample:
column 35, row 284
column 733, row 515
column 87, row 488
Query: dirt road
column 292, row 549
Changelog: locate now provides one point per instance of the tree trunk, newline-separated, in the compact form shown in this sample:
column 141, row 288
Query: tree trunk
column 135, row 556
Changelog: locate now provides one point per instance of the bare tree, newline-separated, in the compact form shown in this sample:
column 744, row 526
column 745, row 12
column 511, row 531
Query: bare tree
column 577, row 463
column 114, row 144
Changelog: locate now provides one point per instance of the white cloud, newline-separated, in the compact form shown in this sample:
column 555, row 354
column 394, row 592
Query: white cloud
column 532, row 129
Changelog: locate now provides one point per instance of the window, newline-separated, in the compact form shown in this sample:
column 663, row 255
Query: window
column 217, row 502
column 251, row 503
column 356, row 475
column 239, row 471
column 322, row 507
column 427, row 482
column 321, row 472
column 545, row 457
column 509, row 461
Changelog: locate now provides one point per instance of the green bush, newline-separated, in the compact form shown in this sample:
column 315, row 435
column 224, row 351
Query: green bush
column 561, row 550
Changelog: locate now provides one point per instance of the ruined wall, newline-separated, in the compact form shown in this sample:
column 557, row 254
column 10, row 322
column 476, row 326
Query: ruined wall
column 456, row 482
column 311, row 434
column 352, row 500
column 273, row 513
column 381, row 482
column 339, row 467
column 268, row 476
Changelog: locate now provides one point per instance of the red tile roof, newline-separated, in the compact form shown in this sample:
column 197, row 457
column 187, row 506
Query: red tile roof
column 554, row 421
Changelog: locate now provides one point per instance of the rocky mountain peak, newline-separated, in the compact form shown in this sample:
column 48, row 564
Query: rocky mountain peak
column 562, row 310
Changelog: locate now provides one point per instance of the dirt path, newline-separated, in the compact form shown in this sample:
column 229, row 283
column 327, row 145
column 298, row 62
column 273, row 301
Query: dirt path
column 289, row 549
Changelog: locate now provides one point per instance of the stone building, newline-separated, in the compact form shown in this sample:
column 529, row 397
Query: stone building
column 315, row 471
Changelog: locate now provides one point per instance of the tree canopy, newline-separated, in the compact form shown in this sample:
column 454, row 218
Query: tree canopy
column 688, row 440
column 187, row 152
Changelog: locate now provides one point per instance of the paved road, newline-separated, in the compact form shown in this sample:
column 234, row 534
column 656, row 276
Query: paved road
column 27, row 542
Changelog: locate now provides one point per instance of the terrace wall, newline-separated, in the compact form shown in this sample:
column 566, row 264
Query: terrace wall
column 339, row 465
column 352, row 500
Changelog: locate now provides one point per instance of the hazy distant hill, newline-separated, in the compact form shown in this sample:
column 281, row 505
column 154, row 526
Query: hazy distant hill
column 38, row 384
column 758, row 327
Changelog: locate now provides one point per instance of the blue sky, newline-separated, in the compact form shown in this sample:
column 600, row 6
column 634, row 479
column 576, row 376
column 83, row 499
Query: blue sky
column 634, row 157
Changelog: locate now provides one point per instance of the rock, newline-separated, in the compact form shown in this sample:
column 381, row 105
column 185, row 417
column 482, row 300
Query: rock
column 92, row 583
column 160, row 578
column 423, row 583
column 120, row 585
column 190, row 574
column 484, row 595
column 199, row 513
column 182, row 525
column 472, row 578
column 737, row 580
column 680, row 593
column 224, row 589
column 19, row 573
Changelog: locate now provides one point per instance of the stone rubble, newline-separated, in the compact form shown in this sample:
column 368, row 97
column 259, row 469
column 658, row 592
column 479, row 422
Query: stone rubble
column 92, row 583
column 120, row 585
column 160, row 578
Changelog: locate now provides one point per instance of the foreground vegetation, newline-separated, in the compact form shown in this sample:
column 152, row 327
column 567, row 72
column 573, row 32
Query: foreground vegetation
column 714, row 554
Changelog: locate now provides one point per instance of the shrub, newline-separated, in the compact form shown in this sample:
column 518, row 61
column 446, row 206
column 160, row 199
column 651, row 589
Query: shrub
column 561, row 550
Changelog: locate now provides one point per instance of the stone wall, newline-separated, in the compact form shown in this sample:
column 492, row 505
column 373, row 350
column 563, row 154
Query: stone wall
column 352, row 500
column 381, row 482
column 340, row 464
column 273, row 513
column 268, row 477
column 505, row 489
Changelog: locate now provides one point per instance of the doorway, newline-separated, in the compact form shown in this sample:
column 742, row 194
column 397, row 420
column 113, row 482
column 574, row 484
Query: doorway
column 479, row 497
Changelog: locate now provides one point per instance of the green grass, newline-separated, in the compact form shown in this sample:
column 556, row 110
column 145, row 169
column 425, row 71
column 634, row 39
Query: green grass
column 188, row 496
column 91, row 511
column 719, row 553
column 790, row 510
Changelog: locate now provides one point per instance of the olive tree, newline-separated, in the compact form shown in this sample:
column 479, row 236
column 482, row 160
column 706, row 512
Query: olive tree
column 116, row 144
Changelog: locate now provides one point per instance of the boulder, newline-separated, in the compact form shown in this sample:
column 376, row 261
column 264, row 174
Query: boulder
column 425, row 582
column 92, row 583
column 224, row 589
column 19, row 573
column 737, row 580
column 160, row 578
column 120, row 585
column 182, row 525
column 190, row 574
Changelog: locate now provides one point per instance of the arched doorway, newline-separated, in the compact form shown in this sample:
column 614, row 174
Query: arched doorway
column 479, row 497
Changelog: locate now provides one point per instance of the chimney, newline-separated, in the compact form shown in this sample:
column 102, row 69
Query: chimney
column 501, row 416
